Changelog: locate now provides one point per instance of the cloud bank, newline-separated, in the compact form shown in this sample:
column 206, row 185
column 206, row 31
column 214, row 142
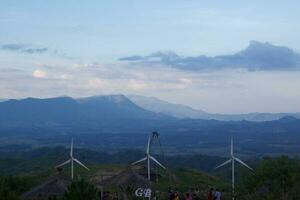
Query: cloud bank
column 221, row 90
column 23, row 48
column 257, row 56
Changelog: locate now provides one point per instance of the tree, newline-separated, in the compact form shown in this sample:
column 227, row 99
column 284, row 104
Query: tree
column 12, row 187
column 81, row 190
column 7, row 194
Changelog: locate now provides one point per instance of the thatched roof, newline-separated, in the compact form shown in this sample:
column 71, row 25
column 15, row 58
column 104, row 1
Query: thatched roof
column 56, row 186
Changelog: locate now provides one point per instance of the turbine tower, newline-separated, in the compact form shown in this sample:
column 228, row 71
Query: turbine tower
column 72, row 160
column 232, row 160
column 148, row 155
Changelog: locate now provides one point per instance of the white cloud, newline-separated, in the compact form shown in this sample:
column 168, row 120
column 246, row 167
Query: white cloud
column 225, row 91
column 136, row 85
column 186, row 81
column 39, row 73
column 66, row 76
column 97, row 83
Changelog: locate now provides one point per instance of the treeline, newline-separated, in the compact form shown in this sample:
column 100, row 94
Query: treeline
column 273, row 178
column 11, row 187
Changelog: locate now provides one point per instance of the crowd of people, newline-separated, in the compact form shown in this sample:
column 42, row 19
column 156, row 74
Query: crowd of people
column 213, row 194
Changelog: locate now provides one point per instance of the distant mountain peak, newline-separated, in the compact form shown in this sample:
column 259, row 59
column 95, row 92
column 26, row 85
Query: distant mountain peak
column 156, row 105
column 62, row 99
column 258, row 43
column 67, row 111
column 288, row 119
column 115, row 98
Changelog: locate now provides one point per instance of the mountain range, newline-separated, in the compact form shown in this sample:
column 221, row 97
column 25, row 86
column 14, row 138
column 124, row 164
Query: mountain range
column 115, row 122
column 182, row 111
column 110, row 110
column 98, row 111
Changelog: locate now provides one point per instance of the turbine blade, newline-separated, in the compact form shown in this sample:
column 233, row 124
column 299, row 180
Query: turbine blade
column 154, row 159
column 225, row 163
column 71, row 150
column 231, row 148
column 64, row 163
column 238, row 160
column 141, row 160
column 148, row 145
column 78, row 162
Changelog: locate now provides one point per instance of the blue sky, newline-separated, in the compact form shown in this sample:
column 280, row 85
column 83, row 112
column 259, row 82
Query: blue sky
column 84, row 40
column 108, row 29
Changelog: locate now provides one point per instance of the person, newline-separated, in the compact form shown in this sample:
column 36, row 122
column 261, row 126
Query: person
column 157, row 194
column 176, row 196
column 197, row 192
column 154, row 197
column 171, row 195
column 210, row 195
column 217, row 195
column 188, row 196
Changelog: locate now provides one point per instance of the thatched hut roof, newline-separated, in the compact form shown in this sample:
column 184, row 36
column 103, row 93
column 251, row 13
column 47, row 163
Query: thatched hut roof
column 54, row 187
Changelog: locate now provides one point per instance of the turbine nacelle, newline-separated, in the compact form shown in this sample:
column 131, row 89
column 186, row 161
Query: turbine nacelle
column 72, row 160
column 232, row 160
column 148, row 157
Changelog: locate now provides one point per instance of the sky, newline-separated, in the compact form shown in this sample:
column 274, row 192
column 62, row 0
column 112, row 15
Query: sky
column 221, row 57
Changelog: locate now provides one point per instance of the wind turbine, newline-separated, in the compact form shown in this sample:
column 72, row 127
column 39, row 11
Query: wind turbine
column 72, row 160
column 232, row 160
column 148, row 155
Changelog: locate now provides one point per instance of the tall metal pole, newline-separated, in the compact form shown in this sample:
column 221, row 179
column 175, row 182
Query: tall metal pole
column 233, row 179
column 72, row 169
column 232, row 160
column 72, row 162
column 148, row 158
column 148, row 168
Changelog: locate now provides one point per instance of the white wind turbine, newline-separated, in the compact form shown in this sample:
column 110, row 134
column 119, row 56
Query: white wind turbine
column 72, row 160
column 148, row 155
column 232, row 160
